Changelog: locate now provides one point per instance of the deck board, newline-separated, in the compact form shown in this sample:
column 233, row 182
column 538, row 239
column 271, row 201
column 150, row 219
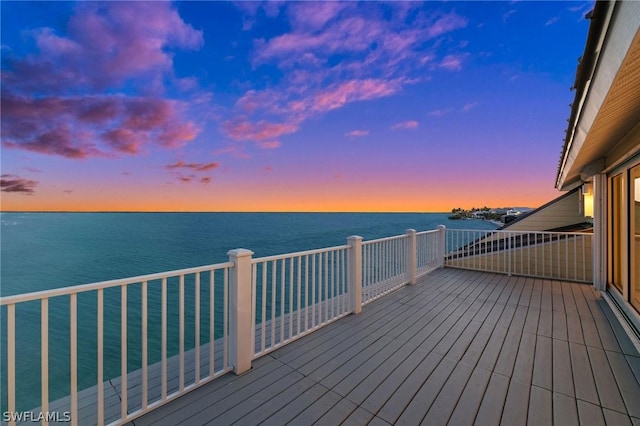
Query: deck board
column 459, row 347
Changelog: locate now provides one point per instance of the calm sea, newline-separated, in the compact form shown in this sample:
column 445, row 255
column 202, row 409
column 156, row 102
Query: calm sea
column 41, row 251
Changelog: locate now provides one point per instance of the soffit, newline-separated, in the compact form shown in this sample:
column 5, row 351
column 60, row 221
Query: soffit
column 618, row 114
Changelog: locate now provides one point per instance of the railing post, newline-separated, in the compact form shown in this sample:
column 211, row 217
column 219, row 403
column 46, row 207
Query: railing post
column 411, row 256
column 509, row 253
column 240, row 344
column 441, row 245
column 355, row 272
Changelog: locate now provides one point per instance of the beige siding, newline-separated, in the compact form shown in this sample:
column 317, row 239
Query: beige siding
column 562, row 212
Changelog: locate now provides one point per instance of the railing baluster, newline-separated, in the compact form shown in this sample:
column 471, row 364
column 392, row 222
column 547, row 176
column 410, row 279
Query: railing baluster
column 73, row 354
column 299, row 296
column 283, row 273
column 313, row 290
column 181, row 330
column 11, row 360
column 123, row 353
column 225, row 318
column 145, row 384
column 306, row 292
column 274, row 290
column 164, row 338
column 254, row 306
column 326, row 287
column 212, row 320
column 44, row 357
column 291, row 281
column 197, row 330
column 100, row 354
column 263, row 324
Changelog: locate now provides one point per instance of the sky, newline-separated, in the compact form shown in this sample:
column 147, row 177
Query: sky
column 285, row 106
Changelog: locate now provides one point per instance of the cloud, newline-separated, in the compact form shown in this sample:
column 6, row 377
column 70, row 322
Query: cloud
column 357, row 133
column 469, row 106
column 106, row 45
column 64, row 98
column 552, row 21
column 33, row 170
column 334, row 54
column 452, row 62
column 261, row 132
column 205, row 180
column 267, row 168
column 313, row 16
column 13, row 183
column 446, row 24
column 440, row 112
column 405, row 125
column 93, row 125
column 269, row 144
column 507, row 15
column 198, row 167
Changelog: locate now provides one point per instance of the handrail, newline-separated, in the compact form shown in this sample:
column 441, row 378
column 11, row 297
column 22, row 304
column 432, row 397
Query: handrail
column 297, row 253
column 65, row 291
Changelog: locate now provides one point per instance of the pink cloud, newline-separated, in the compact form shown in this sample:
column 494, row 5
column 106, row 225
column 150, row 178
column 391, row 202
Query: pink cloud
column 405, row 125
column 357, row 133
column 87, row 126
column 13, row 183
column 54, row 101
column 105, row 46
column 198, row 167
column 452, row 62
column 353, row 90
column 440, row 112
column 269, row 144
column 378, row 57
column 447, row 23
column 244, row 130
column 469, row 106
column 312, row 16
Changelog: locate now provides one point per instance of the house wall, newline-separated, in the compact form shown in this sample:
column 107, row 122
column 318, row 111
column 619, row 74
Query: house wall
column 564, row 211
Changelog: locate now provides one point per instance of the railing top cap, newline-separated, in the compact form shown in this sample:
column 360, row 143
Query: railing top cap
column 240, row 252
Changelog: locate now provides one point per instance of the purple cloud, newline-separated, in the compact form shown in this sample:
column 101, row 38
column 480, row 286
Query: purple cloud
column 55, row 101
column 88, row 126
column 469, row 106
column 375, row 56
column 405, row 125
column 357, row 133
column 13, row 183
column 198, row 167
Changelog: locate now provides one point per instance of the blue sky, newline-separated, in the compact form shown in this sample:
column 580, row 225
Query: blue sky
column 285, row 106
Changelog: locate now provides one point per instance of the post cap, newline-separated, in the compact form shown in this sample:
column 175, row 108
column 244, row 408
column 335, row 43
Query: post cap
column 240, row 252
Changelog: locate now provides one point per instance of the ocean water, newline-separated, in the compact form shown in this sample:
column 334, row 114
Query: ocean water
column 41, row 251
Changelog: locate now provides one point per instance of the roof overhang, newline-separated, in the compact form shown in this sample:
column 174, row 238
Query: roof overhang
column 607, row 103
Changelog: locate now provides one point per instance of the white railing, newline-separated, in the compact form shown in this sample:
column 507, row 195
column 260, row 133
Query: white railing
column 134, row 344
column 384, row 266
column 139, row 323
column 554, row 255
column 429, row 245
column 295, row 294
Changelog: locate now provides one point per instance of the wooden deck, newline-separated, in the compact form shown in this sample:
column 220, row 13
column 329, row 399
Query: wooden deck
column 458, row 348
